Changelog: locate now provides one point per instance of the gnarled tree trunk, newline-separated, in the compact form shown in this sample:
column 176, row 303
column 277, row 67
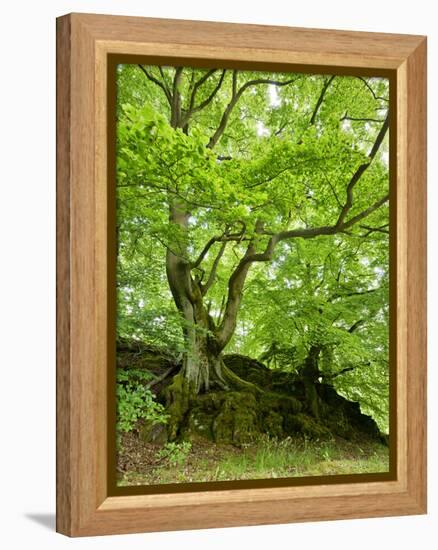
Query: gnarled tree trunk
column 203, row 366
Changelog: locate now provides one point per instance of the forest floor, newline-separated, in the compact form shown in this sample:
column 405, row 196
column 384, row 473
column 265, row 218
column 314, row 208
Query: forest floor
column 142, row 463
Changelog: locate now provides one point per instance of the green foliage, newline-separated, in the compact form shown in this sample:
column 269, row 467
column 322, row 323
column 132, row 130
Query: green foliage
column 175, row 453
column 281, row 163
column 135, row 401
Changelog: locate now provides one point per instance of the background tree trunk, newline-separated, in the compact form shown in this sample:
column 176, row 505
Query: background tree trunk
column 310, row 374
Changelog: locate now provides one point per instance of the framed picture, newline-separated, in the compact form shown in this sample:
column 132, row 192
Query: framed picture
column 241, row 280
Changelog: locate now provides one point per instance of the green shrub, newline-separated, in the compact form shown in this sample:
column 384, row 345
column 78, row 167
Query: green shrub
column 135, row 401
column 176, row 453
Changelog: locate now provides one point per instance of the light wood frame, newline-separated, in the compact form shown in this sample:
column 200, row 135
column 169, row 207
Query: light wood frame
column 83, row 44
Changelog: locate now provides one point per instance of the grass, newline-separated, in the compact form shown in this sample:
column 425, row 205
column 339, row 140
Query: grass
column 206, row 461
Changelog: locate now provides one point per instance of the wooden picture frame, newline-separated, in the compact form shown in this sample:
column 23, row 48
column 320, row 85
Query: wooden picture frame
column 84, row 44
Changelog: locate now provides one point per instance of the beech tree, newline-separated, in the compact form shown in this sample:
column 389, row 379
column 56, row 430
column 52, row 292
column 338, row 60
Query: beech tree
column 223, row 176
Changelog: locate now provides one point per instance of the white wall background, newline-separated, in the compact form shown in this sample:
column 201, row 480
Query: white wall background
column 27, row 287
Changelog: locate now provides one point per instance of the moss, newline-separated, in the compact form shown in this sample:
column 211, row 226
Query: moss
column 237, row 382
column 199, row 419
column 249, row 369
column 197, row 424
column 312, row 398
column 264, row 401
column 224, row 417
column 241, row 416
column 272, row 424
column 344, row 417
column 178, row 397
column 236, row 422
column 139, row 355
column 155, row 433
column 304, row 424
column 269, row 401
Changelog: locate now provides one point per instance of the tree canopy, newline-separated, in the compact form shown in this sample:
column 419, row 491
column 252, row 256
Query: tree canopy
column 252, row 217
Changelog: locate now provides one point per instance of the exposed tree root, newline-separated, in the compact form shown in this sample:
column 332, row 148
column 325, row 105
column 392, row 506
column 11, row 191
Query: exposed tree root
column 239, row 383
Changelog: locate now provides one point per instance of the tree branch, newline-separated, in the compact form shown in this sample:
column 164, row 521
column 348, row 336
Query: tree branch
column 332, row 188
column 235, row 289
column 197, row 85
column 360, row 171
column 163, row 77
column 342, row 371
column 309, row 232
column 175, row 118
column 349, row 294
column 270, row 178
column 204, row 251
column 158, row 83
column 224, row 238
column 380, row 229
column 235, row 96
column 376, row 97
column 362, row 119
column 206, row 101
column 365, row 213
column 321, row 99
column 212, row 275
column 318, row 104
column 162, row 376
column 193, row 109
column 356, row 325
column 237, row 279
column 346, row 369
column 234, row 297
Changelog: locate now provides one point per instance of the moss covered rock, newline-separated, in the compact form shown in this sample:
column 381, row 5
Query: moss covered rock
column 249, row 369
column 275, row 403
column 344, row 417
column 286, row 404
column 224, row 417
column 272, row 424
column 237, row 421
column 154, row 433
column 306, row 425
column 199, row 419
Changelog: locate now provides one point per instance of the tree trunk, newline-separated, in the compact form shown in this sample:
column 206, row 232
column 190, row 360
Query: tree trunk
column 202, row 370
column 202, row 364
column 309, row 375
column 203, row 367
